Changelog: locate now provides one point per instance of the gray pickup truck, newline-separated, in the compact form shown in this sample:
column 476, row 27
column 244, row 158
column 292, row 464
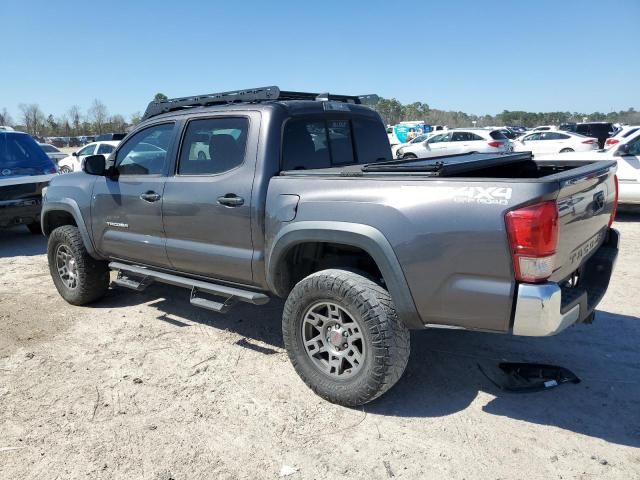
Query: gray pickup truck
column 239, row 196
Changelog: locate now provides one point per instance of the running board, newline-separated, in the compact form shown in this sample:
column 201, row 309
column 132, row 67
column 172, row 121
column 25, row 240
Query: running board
column 231, row 294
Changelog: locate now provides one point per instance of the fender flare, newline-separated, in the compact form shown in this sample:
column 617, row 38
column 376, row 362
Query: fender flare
column 71, row 207
column 365, row 237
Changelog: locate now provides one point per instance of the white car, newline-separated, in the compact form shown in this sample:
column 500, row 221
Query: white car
column 458, row 140
column 73, row 163
column 624, row 132
column 545, row 128
column 547, row 142
column 626, row 154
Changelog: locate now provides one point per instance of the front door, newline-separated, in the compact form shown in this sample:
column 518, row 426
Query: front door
column 126, row 211
column 207, row 203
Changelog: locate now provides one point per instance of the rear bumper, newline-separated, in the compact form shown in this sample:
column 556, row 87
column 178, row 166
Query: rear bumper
column 545, row 309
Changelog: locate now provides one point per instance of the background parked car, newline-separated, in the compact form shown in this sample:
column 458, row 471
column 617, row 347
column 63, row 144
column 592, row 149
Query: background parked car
column 75, row 142
column 621, row 134
column 626, row 154
column 58, row 142
column 73, row 162
column 540, row 143
column 52, row 152
column 462, row 140
column 599, row 130
column 110, row 136
column 24, row 171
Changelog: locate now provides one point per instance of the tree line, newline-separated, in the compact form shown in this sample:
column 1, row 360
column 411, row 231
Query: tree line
column 97, row 119
column 74, row 122
column 393, row 112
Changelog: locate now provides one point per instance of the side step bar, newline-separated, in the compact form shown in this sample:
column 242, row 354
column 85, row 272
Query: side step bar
column 231, row 294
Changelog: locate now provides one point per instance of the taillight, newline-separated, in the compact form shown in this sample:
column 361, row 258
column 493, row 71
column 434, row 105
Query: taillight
column 612, row 141
column 615, row 203
column 589, row 142
column 495, row 144
column 533, row 237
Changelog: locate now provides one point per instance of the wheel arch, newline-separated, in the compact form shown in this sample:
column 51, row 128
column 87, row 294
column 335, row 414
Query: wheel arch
column 363, row 238
column 66, row 212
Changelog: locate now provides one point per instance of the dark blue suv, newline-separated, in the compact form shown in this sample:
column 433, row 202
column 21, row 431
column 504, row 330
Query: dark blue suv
column 24, row 171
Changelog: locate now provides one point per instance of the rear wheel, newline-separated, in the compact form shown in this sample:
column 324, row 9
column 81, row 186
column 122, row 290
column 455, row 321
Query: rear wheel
column 65, row 169
column 78, row 277
column 565, row 150
column 408, row 156
column 343, row 337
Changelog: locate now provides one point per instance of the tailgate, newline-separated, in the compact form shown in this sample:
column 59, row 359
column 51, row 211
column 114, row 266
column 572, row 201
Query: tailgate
column 585, row 203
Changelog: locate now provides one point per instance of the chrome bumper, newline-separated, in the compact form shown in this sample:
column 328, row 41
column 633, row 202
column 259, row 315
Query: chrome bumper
column 538, row 311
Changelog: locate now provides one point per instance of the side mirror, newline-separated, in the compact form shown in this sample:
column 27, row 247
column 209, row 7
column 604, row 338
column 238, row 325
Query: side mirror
column 75, row 154
column 95, row 165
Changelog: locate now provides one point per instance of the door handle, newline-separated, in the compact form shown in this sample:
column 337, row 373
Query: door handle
column 150, row 197
column 231, row 200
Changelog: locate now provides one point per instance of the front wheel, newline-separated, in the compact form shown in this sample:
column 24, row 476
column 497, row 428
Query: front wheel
column 343, row 337
column 78, row 277
column 65, row 169
column 566, row 150
column 408, row 156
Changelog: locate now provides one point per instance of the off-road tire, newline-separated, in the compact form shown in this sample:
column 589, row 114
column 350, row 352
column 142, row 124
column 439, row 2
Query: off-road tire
column 35, row 228
column 385, row 337
column 92, row 275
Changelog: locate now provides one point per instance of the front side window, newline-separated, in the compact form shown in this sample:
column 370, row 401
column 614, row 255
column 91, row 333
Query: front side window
column 146, row 152
column 213, row 145
column 88, row 150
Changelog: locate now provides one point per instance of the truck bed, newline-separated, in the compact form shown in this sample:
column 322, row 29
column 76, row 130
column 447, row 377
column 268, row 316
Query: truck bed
column 476, row 165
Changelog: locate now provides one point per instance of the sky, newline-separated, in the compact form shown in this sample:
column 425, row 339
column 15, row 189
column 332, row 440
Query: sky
column 475, row 56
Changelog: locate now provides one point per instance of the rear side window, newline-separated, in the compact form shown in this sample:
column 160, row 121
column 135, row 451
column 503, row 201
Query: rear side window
column 21, row 155
column 460, row 137
column 498, row 135
column 371, row 145
column 105, row 149
column 213, row 145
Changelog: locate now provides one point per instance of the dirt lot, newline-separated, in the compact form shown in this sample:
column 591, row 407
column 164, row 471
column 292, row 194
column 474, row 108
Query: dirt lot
column 143, row 386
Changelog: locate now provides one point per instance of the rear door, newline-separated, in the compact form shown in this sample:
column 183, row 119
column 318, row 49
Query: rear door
column 126, row 213
column 460, row 142
column 208, row 203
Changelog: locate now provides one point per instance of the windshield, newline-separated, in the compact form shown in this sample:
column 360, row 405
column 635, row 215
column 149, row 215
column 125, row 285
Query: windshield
column 21, row 155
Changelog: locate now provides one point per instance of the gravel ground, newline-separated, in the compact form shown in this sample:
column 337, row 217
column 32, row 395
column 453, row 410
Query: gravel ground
column 144, row 386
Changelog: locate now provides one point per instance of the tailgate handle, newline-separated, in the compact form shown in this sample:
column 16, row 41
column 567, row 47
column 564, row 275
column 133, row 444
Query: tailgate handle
column 598, row 201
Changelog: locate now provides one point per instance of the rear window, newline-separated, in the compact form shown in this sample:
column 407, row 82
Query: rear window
column 313, row 143
column 498, row 135
column 21, row 155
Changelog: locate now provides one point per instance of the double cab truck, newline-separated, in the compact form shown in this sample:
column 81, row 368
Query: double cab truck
column 246, row 195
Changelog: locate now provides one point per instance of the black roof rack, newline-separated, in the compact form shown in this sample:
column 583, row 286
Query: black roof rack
column 252, row 95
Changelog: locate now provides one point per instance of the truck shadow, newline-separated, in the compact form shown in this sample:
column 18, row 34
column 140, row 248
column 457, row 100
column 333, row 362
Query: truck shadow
column 443, row 377
column 19, row 242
